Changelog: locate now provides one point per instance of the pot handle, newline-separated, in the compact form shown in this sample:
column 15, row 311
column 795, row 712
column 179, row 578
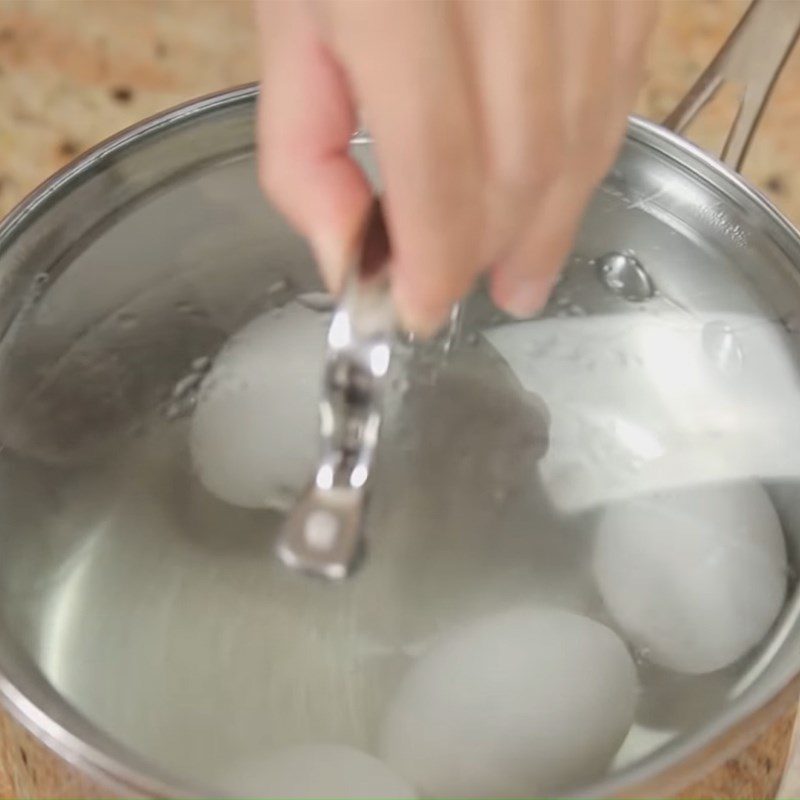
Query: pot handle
column 752, row 57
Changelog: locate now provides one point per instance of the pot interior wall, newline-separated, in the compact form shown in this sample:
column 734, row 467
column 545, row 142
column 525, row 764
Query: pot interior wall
column 152, row 613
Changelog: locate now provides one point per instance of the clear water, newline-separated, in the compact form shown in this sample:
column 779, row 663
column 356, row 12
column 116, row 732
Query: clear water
column 159, row 611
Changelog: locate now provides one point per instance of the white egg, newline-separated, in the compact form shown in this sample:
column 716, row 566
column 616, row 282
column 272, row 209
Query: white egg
column 694, row 577
column 254, row 432
column 516, row 704
column 314, row 771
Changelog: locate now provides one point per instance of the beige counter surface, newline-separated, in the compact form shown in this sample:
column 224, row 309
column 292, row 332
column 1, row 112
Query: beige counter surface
column 73, row 72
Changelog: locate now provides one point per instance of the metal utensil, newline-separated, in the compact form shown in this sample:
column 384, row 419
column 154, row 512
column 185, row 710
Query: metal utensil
column 323, row 534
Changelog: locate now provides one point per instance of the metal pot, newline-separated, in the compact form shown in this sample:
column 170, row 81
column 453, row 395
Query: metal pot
column 125, row 274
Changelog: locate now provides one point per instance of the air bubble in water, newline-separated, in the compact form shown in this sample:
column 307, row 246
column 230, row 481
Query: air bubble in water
column 38, row 286
column 187, row 309
column 722, row 347
column 183, row 397
column 623, row 275
column 127, row 320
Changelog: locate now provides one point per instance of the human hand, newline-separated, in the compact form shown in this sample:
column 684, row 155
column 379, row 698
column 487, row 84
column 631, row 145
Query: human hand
column 493, row 122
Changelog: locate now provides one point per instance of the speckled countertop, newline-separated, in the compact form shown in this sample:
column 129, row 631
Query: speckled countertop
column 73, row 72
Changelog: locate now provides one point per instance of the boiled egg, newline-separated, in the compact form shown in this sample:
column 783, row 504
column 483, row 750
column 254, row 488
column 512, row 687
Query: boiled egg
column 694, row 577
column 254, row 432
column 517, row 704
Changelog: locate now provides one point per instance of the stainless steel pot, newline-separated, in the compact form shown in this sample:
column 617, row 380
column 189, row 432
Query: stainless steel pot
column 123, row 275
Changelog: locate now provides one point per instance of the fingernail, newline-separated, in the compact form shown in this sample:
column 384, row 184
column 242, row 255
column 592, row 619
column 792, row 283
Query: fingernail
column 526, row 296
column 416, row 317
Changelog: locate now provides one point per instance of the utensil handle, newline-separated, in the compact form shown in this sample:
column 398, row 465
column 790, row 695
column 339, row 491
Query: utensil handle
column 323, row 534
column 751, row 58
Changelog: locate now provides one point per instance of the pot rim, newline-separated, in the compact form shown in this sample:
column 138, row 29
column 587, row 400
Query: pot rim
column 101, row 759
